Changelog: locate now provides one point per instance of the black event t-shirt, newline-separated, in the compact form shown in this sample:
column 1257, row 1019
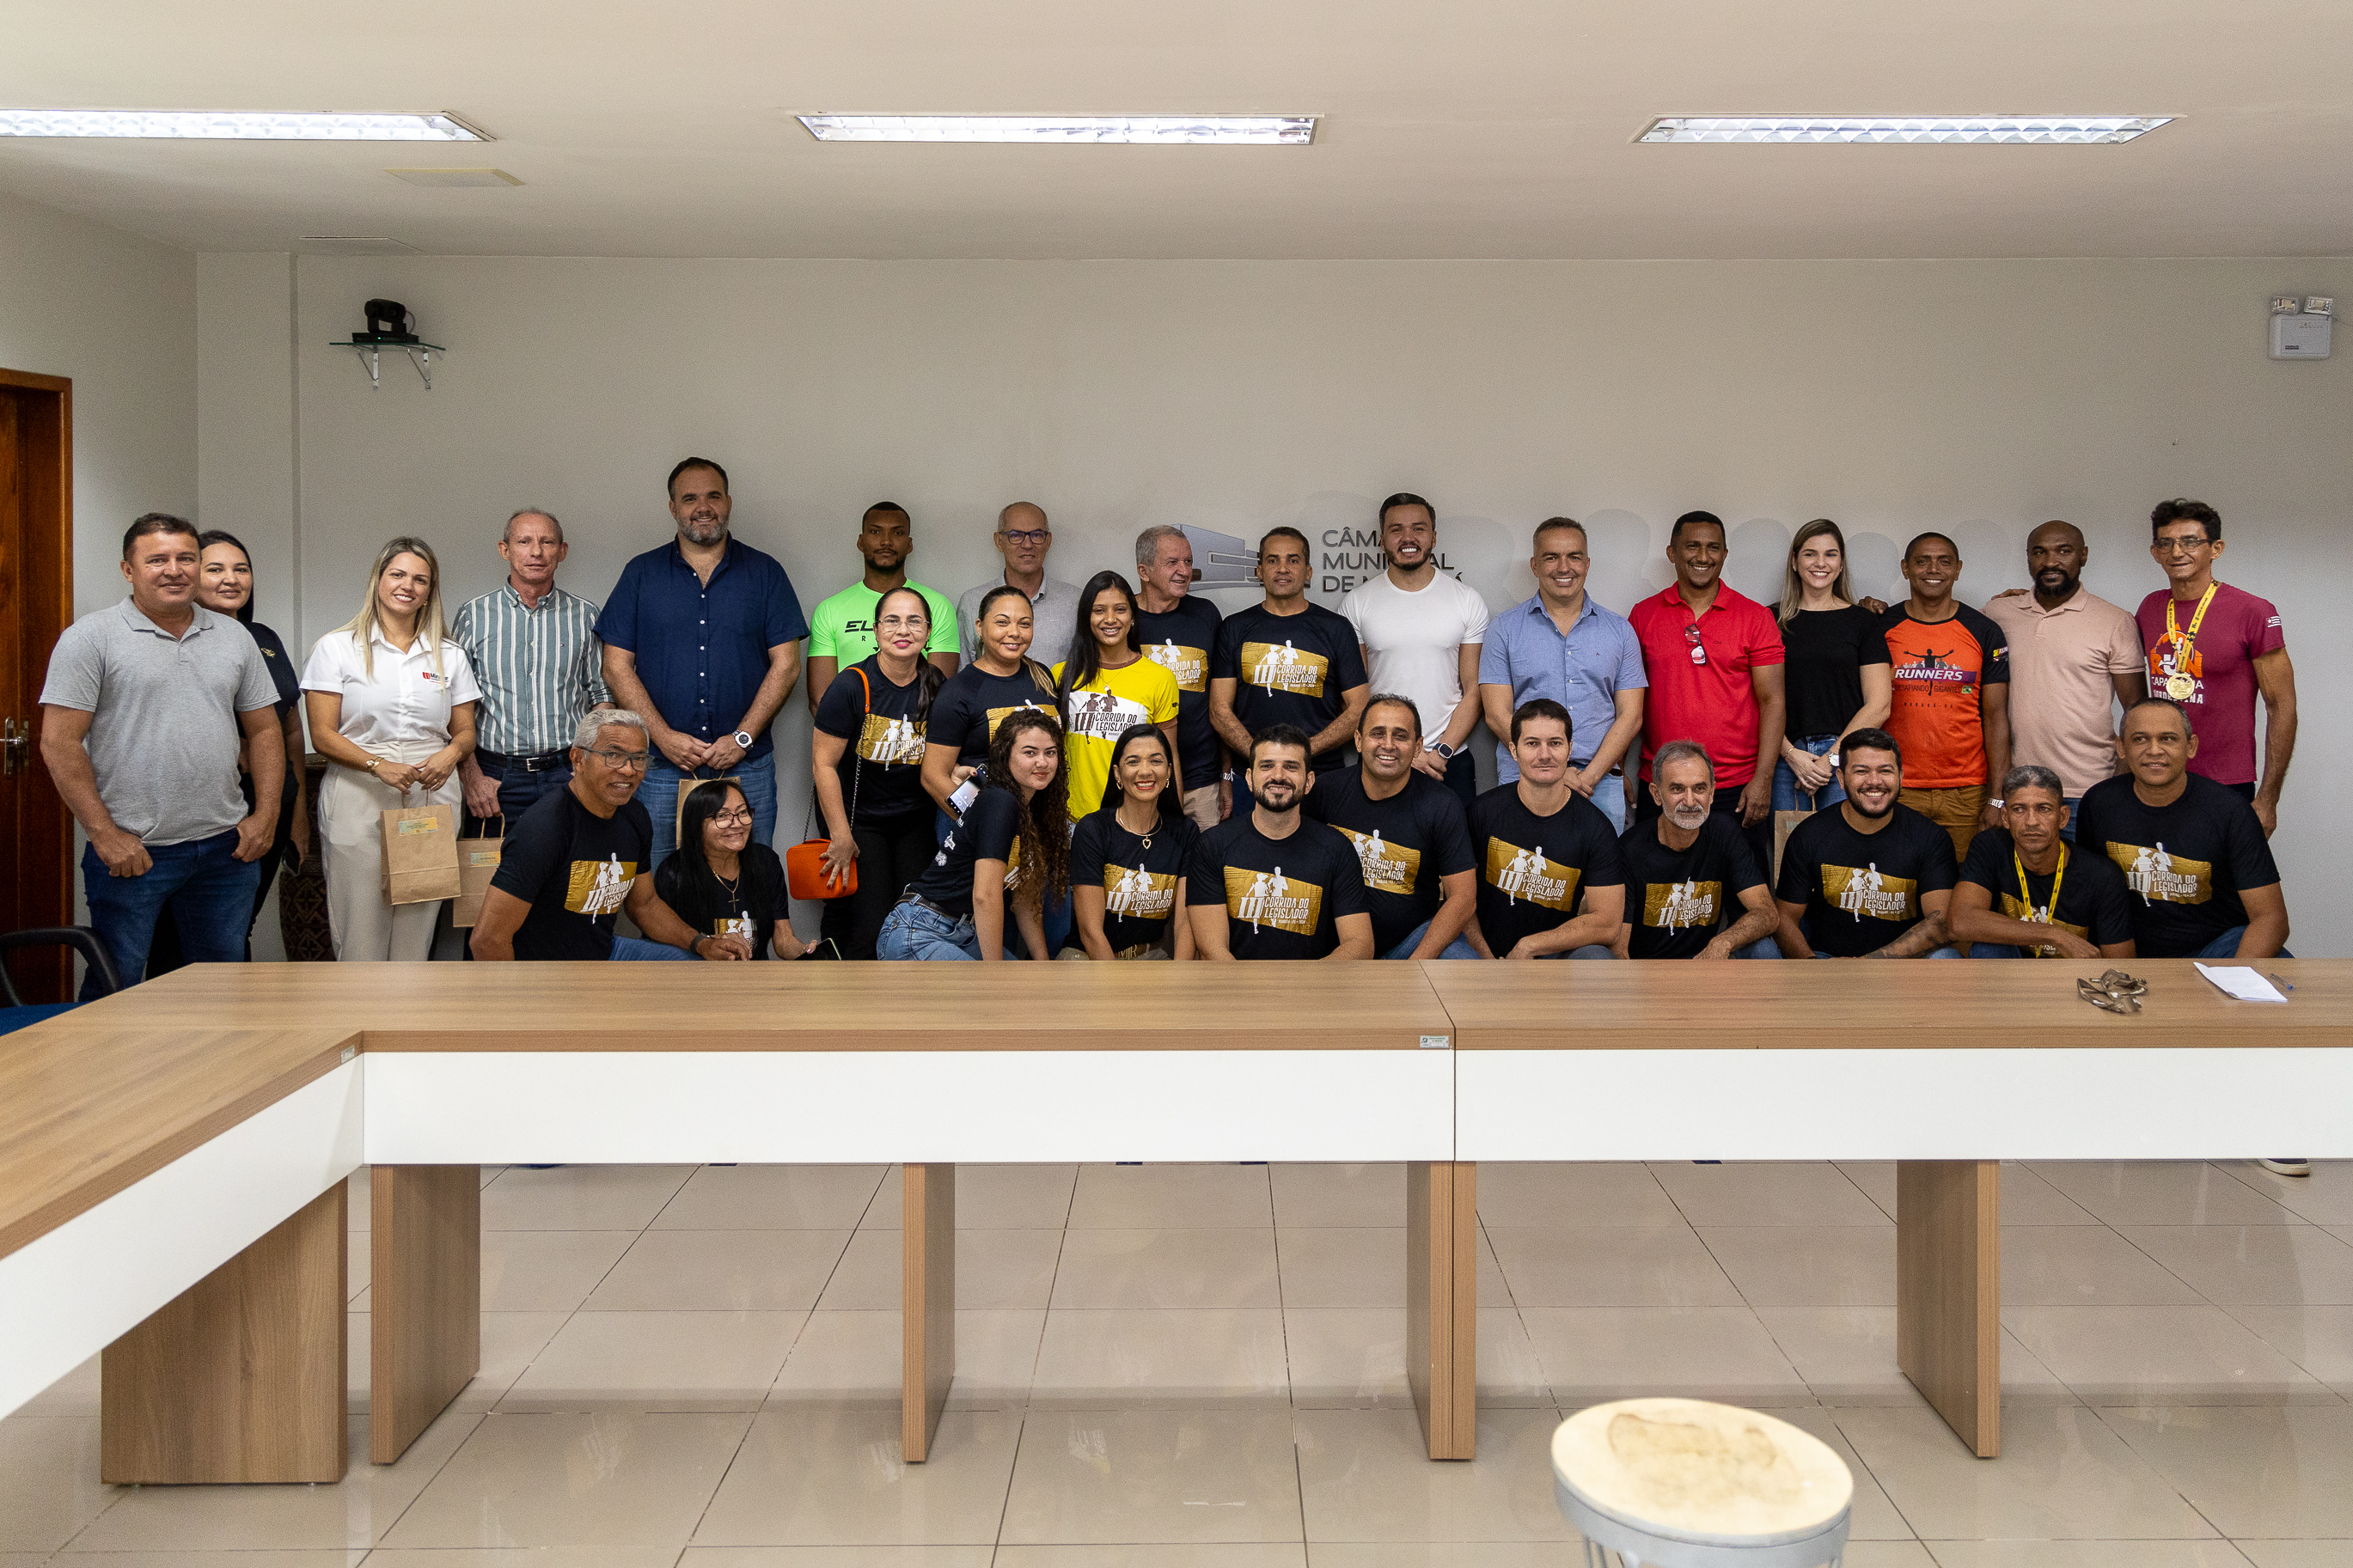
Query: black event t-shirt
column 882, row 768
column 1677, row 901
column 1182, row 640
column 1404, row 845
column 2185, row 865
column 1292, row 669
column 1142, row 875
column 1861, row 890
column 1826, row 652
column 1283, row 897
column 574, row 868
column 974, row 702
column 991, row 830
column 1532, row 870
column 2094, row 902
column 750, row 909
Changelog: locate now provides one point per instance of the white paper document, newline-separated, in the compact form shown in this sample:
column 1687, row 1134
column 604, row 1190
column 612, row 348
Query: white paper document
column 2238, row 981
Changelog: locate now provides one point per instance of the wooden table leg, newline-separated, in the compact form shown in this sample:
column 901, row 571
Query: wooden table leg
column 1948, row 1292
column 241, row 1377
column 425, row 1294
column 928, row 1304
column 1442, row 1336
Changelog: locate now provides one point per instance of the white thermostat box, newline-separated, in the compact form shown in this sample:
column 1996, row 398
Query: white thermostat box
column 2300, row 336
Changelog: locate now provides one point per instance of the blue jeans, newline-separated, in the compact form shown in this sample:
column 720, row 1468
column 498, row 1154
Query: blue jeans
column 1458, row 948
column 520, row 791
column 1786, row 795
column 627, row 949
column 1462, row 777
column 913, row 930
column 757, row 776
column 2227, row 945
column 206, row 889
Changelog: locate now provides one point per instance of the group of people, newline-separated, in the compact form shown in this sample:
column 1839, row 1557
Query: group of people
column 1117, row 771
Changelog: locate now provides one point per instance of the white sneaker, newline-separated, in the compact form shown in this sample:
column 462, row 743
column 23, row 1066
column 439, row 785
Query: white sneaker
column 2287, row 1167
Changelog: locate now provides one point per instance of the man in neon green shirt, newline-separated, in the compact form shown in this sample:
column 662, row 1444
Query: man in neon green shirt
column 842, row 632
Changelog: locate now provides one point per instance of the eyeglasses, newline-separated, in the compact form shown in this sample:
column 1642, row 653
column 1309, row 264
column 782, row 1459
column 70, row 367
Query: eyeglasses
column 736, row 819
column 2181, row 546
column 1024, row 536
column 625, row 761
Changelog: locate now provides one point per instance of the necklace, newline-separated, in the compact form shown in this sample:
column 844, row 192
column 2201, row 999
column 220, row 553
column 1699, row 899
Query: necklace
column 2026, row 896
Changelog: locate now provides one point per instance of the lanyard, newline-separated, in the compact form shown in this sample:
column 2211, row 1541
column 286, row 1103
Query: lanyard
column 2182, row 645
column 2026, row 895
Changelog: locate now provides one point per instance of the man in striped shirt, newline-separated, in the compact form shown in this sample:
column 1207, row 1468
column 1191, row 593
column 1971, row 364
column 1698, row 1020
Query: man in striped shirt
column 534, row 651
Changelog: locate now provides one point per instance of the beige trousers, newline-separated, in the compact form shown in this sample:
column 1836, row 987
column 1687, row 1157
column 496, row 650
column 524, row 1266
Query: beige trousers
column 1201, row 806
column 351, row 818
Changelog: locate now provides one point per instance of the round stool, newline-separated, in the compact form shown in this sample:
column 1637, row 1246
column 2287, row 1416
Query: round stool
column 1682, row 1483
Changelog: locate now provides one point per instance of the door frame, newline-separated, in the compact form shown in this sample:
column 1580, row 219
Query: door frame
column 47, row 608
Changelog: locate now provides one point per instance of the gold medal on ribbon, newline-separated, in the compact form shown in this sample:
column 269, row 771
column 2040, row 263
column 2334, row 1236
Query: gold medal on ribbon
column 2180, row 688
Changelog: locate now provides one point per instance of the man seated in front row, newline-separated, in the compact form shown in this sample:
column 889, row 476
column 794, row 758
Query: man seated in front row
column 1869, row 877
column 576, row 859
column 1412, row 843
column 2192, row 852
column 1682, row 865
column 1550, row 883
column 2022, row 894
column 1268, row 883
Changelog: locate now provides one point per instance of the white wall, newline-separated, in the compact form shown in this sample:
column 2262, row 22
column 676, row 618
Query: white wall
column 1976, row 397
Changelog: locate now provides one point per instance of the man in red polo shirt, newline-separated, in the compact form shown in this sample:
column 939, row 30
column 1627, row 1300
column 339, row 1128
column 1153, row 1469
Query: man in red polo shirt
column 1714, row 658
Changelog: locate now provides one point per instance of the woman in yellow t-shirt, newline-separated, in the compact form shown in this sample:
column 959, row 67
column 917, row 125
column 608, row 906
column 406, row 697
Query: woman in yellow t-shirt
column 1107, row 685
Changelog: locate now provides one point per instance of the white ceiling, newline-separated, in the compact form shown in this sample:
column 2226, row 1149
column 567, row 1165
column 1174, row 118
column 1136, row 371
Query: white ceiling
column 1482, row 128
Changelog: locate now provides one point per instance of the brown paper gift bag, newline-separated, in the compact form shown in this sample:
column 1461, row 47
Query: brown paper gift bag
column 477, row 862
column 420, row 854
column 687, row 787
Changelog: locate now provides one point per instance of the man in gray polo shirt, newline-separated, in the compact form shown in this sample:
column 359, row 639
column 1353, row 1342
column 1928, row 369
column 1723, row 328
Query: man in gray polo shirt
column 141, row 716
column 1023, row 537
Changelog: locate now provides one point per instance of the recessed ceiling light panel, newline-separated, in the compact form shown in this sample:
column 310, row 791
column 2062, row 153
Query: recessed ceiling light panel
column 1162, row 130
column 2076, row 129
column 202, row 125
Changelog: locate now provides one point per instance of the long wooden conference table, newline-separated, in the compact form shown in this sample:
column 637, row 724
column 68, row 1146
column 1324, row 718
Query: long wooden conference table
column 172, row 1160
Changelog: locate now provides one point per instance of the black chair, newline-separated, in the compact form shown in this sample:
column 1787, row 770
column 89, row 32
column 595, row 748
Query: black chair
column 15, row 1013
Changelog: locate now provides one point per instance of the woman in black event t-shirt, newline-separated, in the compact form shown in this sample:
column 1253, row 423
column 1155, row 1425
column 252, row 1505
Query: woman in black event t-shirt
column 1001, row 677
column 722, row 883
column 1837, row 675
column 1128, row 859
column 1010, row 851
column 867, row 762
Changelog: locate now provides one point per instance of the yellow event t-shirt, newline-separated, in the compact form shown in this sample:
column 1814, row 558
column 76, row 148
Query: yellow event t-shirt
column 1143, row 692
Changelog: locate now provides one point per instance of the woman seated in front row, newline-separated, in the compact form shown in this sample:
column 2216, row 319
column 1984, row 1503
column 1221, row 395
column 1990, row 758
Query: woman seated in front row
column 1127, row 861
column 723, row 884
column 1012, row 844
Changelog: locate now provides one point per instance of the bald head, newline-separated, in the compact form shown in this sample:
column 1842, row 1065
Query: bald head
column 2055, row 554
column 1023, row 536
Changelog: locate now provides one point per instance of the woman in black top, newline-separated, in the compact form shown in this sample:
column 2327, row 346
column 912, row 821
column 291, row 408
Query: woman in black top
column 1011, row 847
column 1001, row 677
column 224, row 586
column 867, row 759
column 722, row 883
column 1836, row 674
column 1128, row 859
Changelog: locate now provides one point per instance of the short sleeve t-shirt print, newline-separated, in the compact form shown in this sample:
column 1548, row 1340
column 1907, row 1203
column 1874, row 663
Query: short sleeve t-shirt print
column 974, row 702
column 1142, row 875
column 1534, row 870
column 2219, row 663
column 1404, row 845
column 575, row 868
column 877, row 719
column 1678, row 899
column 1181, row 640
column 991, row 830
column 2092, row 901
column 1941, row 669
column 1283, row 897
column 1098, row 712
column 2184, row 865
column 1863, row 890
column 1290, row 670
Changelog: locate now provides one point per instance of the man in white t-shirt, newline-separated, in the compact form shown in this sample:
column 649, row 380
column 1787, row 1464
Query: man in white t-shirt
column 1421, row 629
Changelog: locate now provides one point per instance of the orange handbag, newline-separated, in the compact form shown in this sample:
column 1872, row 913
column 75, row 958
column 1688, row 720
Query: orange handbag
column 804, row 876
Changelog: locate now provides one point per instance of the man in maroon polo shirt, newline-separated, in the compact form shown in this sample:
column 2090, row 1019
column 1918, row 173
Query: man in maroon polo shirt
column 1714, row 658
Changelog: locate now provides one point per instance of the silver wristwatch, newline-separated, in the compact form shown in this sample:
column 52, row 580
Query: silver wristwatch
column 743, row 739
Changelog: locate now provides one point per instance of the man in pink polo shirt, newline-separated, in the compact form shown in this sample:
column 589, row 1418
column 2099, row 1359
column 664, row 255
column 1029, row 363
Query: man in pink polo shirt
column 1713, row 658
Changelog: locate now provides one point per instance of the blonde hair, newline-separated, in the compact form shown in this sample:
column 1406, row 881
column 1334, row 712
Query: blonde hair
column 362, row 626
column 1793, row 587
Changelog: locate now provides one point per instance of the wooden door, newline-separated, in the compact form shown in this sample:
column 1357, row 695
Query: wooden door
column 35, row 604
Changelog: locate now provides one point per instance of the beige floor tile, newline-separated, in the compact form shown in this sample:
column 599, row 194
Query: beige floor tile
column 1766, row 1193
column 492, row 1174
column 1338, row 1194
column 580, row 1197
column 1444, row 1554
column 2159, row 1355
column 75, row 1393
column 510, row 1341
column 2086, row 1555
column 616, row 1478
column 1807, row 1265
column 661, row 1361
column 773, row 1197
column 1159, row 1357
column 359, row 1261
column 1886, row 1554
column 327, row 1557
column 359, row 1188
column 820, row 1478
column 721, row 1271
column 522, row 1557
column 2297, row 1554
column 853, row 1360
column 1349, row 1356
column 2323, row 1197
column 1875, row 1177
column 1494, row 1290
column 1595, row 1353
column 1168, row 1476
column 547, row 1270
column 354, row 1512
column 1510, row 1375
column 1870, row 1518
column 1342, row 1267
column 2159, row 1192
column 1609, row 1265
column 1133, row 1197
column 48, row 1480
column 1222, row 1554
column 989, row 1197
column 2082, row 1266
column 1364, row 1475
column 993, row 1268
column 2269, row 1263
column 1570, row 1193
column 1233, row 1267
column 2062, row 1475
column 2028, row 1199
column 2317, row 1339
column 1847, row 1356
column 975, row 1556
column 2254, row 1471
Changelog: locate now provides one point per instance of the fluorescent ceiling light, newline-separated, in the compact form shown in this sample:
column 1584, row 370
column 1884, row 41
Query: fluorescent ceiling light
column 231, row 126
column 2078, row 128
column 1243, row 130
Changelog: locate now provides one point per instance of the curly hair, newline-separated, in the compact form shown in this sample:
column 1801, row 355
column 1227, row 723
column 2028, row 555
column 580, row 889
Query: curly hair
column 1046, row 822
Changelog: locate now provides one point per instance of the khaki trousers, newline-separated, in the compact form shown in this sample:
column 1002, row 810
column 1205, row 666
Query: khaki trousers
column 351, row 819
column 1953, row 810
column 1201, row 806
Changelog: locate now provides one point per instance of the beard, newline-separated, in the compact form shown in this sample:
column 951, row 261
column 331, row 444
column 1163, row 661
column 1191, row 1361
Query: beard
column 1697, row 817
column 1883, row 808
column 2056, row 584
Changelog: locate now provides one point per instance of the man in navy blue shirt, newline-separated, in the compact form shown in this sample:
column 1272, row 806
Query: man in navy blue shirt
column 702, row 637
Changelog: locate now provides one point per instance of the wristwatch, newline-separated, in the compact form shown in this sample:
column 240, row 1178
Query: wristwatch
column 743, row 739
column 1445, row 752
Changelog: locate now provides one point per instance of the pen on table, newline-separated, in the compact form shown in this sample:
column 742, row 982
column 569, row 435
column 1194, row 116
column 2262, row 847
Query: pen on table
column 2280, row 984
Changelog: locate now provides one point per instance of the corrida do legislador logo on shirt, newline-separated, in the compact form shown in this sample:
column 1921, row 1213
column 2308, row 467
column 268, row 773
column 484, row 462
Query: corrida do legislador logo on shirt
column 2161, row 877
column 1527, row 875
column 1866, row 890
column 1273, row 666
column 1190, row 665
column 599, row 887
column 885, row 741
column 1681, row 906
column 1386, row 868
column 1271, row 899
